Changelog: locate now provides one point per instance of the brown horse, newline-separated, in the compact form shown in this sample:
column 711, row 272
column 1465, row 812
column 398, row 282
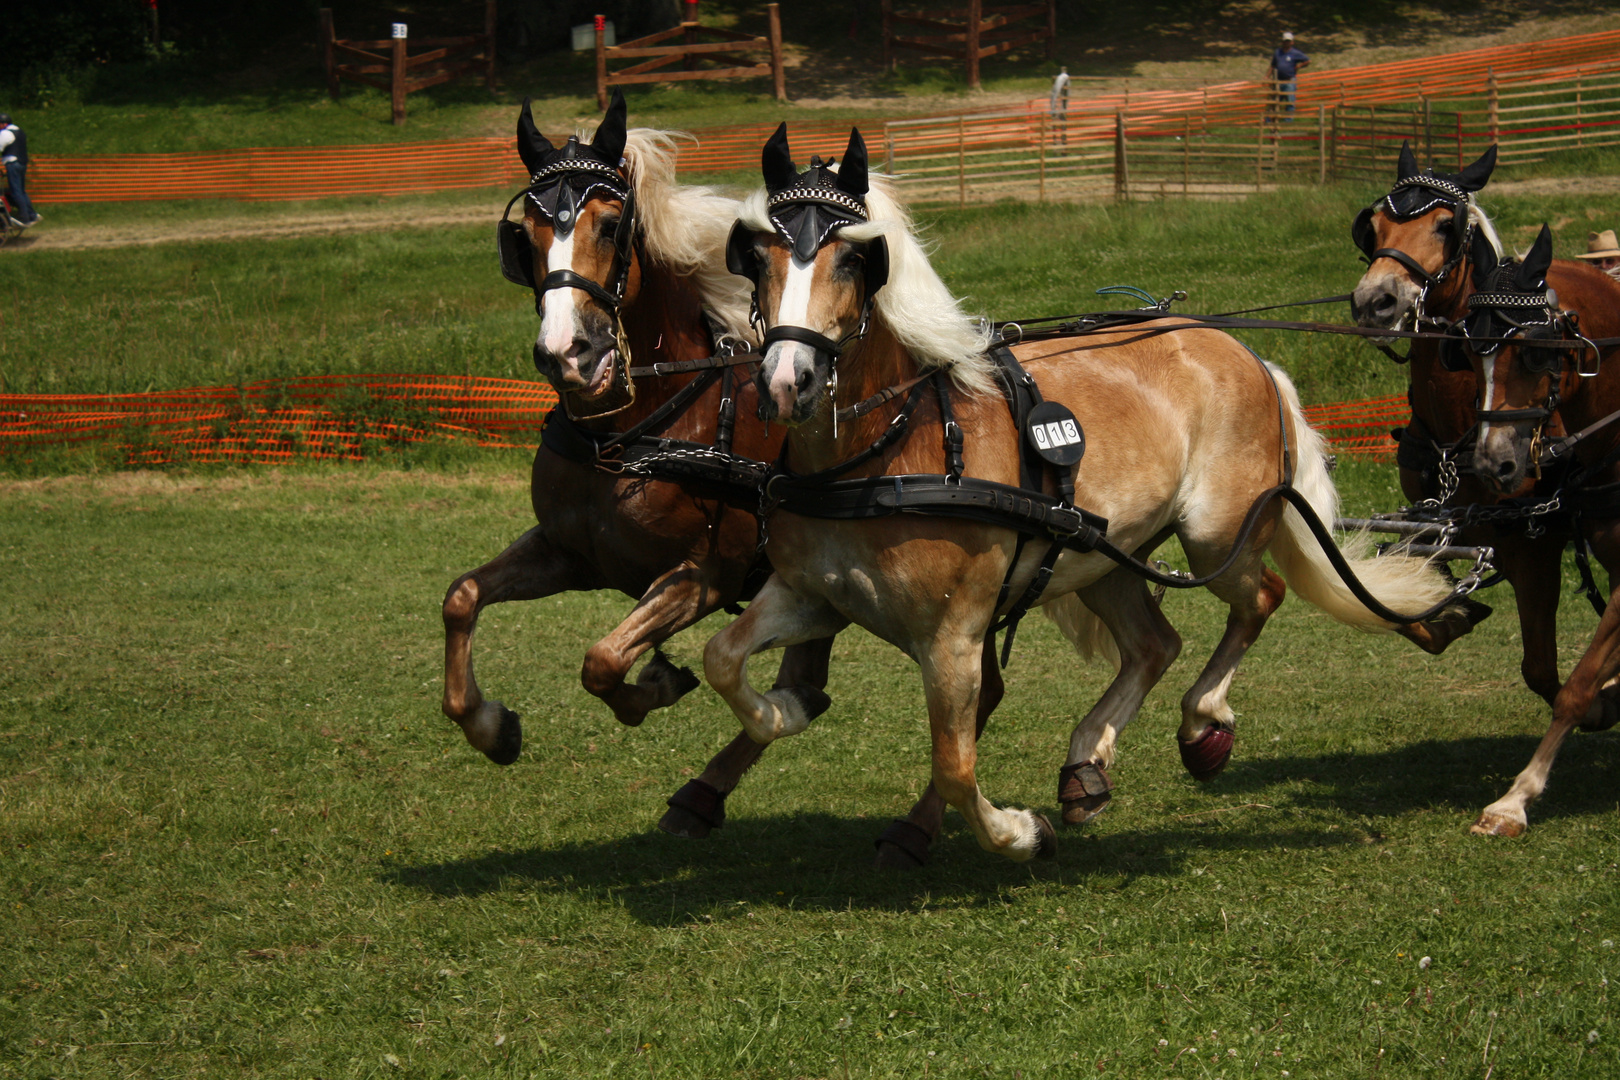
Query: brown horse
column 1418, row 240
column 626, row 264
column 1523, row 385
column 885, row 383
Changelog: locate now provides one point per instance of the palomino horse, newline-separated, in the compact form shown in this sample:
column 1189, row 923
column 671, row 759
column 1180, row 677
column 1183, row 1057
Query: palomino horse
column 625, row 264
column 893, row 404
column 1522, row 385
column 1418, row 240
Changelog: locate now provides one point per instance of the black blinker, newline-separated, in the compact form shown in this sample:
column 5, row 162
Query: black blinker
column 740, row 257
column 877, row 264
column 1362, row 232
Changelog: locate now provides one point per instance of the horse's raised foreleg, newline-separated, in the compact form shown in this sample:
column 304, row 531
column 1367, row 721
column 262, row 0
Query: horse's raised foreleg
column 1208, row 724
column 1534, row 567
column 675, row 601
column 904, row 844
column 1147, row 645
column 527, row 570
column 1508, row 816
column 951, row 671
column 776, row 618
column 699, row 806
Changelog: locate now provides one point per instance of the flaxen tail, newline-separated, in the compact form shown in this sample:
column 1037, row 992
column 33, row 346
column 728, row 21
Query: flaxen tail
column 1403, row 584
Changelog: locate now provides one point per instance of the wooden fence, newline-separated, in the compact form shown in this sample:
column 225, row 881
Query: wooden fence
column 1236, row 143
column 969, row 34
column 446, row 58
column 654, row 53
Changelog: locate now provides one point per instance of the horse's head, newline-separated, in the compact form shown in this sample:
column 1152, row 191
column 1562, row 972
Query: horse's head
column 1520, row 383
column 813, row 285
column 1413, row 238
column 575, row 245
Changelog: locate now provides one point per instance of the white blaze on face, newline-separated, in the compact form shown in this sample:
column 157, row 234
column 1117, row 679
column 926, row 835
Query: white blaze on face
column 1490, row 395
column 792, row 311
column 557, row 306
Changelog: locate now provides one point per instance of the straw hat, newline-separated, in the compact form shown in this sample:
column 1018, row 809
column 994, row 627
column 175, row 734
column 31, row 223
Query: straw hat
column 1601, row 245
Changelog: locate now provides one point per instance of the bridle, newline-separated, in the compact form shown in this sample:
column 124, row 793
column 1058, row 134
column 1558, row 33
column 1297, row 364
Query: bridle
column 1411, row 198
column 560, row 190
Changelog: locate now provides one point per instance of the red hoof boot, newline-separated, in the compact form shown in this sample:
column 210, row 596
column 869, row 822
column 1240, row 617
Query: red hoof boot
column 1084, row 790
column 1208, row 754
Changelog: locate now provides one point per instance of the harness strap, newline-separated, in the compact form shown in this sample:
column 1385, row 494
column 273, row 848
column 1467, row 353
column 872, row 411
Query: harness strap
column 567, row 279
column 954, row 466
column 892, row 434
column 1037, row 585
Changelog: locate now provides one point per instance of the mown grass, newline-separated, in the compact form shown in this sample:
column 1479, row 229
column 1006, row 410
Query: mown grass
column 239, row 840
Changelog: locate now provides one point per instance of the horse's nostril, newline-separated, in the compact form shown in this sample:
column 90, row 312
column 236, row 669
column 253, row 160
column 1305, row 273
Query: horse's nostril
column 806, row 377
column 1383, row 304
column 1505, row 469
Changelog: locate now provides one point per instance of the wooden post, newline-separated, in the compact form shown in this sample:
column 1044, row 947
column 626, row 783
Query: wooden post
column 1458, row 115
column 1428, row 133
column 975, row 17
column 689, row 62
column 1122, row 169
column 397, row 80
column 489, row 44
column 1186, row 154
column 1580, row 129
column 888, row 35
column 778, row 76
column 1321, row 144
column 328, row 35
column 1051, row 29
column 961, row 162
column 888, row 147
column 1041, row 191
column 1260, row 153
column 601, row 63
column 1333, row 147
column 1492, row 116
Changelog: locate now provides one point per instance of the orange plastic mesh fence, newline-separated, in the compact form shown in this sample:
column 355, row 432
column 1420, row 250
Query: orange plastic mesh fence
column 314, row 172
column 350, row 418
column 324, row 417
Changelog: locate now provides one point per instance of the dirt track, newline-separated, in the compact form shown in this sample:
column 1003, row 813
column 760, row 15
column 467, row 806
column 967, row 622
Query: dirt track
column 47, row 236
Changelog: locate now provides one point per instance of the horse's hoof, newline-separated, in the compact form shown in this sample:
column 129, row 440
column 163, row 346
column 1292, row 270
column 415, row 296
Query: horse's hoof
column 671, row 682
column 1490, row 824
column 495, row 731
column 1046, row 837
column 694, row 811
column 1208, row 754
column 1084, row 790
column 903, row 846
column 1603, row 714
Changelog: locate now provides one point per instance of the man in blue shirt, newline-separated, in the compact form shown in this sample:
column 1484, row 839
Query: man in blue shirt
column 1285, row 64
column 14, row 153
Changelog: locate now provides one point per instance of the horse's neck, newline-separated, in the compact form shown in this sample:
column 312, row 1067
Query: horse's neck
column 1594, row 297
column 1444, row 401
column 873, row 365
column 664, row 323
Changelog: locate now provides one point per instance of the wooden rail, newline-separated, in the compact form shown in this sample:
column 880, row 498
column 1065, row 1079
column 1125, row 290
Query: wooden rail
column 654, row 54
column 969, row 34
column 444, row 59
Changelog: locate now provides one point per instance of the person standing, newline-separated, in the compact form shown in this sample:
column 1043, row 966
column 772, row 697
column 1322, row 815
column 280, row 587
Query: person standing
column 1603, row 252
column 14, row 153
column 1285, row 64
column 1060, row 105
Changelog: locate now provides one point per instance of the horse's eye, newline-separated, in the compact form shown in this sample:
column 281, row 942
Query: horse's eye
column 606, row 226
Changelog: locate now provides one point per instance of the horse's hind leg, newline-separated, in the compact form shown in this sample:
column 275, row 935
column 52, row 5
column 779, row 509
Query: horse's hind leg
column 904, row 844
column 1508, row 816
column 1147, row 645
column 675, row 601
column 1207, row 721
column 699, row 807
column 527, row 570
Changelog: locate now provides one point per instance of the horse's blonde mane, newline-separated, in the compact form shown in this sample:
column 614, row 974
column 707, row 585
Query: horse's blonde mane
column 915, row 304
column 1483, row 222
column 685, row 226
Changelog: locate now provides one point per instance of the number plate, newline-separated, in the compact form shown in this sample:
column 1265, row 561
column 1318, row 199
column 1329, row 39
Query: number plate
column 1055, row 434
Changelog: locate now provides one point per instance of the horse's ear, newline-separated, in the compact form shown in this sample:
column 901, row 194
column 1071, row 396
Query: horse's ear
column 776, row 161
column 1407, row 164
column 852, row 178
column 532, row 146
column 1531, row 275
column 1482, row 256
column 1476, row 175
column 609, row 138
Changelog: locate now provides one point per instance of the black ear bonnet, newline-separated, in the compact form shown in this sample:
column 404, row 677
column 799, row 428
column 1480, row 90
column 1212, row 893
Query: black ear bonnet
column 807, row 208
column 1513, row 301
column 561, row 182
column 1418, row 191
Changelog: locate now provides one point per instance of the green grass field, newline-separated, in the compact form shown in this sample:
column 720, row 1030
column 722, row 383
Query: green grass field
column 238, row 839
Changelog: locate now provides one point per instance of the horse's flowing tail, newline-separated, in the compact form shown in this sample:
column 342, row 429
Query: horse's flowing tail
column 1403, row 584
